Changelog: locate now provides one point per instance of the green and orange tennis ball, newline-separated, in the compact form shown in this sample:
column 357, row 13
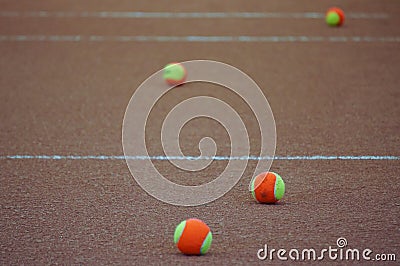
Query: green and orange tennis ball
column 193, row 237
column 334, row 17
column 267, row 187
column 174, row 74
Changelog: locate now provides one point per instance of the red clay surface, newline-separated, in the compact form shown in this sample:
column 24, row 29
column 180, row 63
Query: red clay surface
column 70, row 98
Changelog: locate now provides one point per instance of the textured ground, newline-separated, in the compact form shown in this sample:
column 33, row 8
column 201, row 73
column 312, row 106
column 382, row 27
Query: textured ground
column 69, row 98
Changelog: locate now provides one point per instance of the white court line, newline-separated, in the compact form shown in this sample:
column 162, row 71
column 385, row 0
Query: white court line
column 196, row 158
column 134, row 38
column 184, row 15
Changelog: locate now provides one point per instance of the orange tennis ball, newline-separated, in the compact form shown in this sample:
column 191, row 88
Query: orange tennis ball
column 193, row 237
column 334, row 16
column 174, row 74
column 268, row 187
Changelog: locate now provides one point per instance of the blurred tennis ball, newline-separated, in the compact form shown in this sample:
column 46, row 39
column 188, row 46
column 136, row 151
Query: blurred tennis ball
column 334, row 17
column 174, row 74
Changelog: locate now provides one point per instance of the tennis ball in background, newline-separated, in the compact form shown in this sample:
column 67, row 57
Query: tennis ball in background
column 334, row 17
column 193, row 237
column 174, row 74
column 267, row 187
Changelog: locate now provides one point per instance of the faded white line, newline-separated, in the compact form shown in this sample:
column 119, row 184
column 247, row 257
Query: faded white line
column 194, row 38
column 185, row 15
column 194, row 158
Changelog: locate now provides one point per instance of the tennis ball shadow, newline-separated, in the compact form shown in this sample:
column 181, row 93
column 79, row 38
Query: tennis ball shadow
column 252, row 202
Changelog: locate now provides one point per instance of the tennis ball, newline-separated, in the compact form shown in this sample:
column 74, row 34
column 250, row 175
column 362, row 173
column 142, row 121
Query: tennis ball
column 267, row 187
column 174, row 74
column 193, row 237
column 334, row 17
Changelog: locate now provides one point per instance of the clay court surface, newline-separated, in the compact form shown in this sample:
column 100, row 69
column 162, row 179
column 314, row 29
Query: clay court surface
column 329, row 98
